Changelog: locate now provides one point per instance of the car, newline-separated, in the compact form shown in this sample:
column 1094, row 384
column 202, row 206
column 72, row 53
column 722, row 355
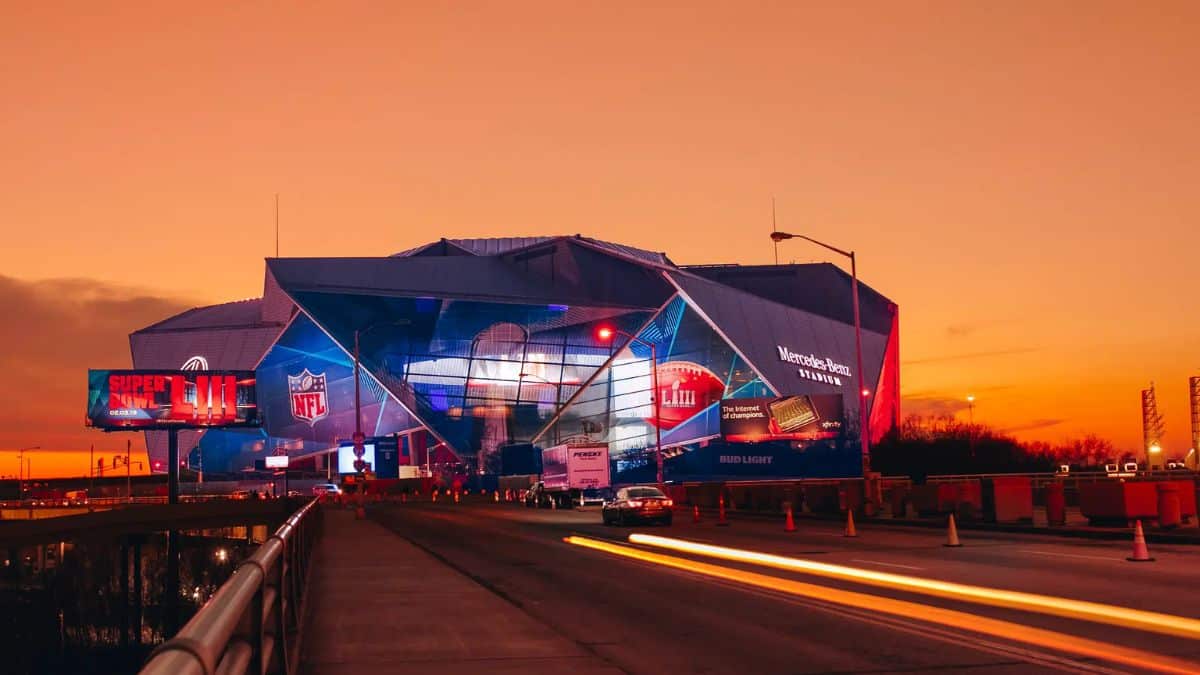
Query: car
column 639, row 503
column 330, row 489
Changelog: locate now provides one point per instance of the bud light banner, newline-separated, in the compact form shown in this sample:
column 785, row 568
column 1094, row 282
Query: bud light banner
column 800, row 418
column 171, row 399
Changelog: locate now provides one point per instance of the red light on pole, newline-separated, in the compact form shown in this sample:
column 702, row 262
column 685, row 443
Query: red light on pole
column 866, row 393
column 604, row 333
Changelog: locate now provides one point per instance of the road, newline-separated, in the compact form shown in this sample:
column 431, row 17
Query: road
column 645, row 616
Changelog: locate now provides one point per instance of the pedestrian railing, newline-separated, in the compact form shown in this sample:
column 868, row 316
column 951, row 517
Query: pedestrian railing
column 253, row 623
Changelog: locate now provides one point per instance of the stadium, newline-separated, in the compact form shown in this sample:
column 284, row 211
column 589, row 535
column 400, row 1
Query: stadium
column 471, row 346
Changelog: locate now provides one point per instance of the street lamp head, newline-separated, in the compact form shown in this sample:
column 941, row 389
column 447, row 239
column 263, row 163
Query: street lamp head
column 866, row 393
column 1155, row 449
column 970, row 398
column 780, row 236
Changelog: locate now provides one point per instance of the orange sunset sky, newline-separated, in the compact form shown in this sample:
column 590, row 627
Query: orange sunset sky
column 1022, row 178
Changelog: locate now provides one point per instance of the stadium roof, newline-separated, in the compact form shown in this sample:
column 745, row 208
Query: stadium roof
column 239, row 314
column 498, row 246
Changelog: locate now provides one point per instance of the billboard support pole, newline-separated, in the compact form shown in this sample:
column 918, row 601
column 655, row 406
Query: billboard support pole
column 172, row 466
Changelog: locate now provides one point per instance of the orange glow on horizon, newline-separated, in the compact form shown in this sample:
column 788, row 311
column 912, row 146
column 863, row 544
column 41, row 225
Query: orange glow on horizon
column 1018, row 179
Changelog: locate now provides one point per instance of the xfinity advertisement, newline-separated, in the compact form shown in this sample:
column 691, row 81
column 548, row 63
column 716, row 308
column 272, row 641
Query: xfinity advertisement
column 799, row 418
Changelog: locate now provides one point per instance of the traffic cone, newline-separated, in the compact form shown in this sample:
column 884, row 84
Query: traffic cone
column 1140, row 552
column 553, row 503
column 496, row 496
column 455, row 497
column 721, row 511
column 850, row 530
column 434, row 495
column 952, row 534
column 403, row 497
column 695, row 513
column 790, row 526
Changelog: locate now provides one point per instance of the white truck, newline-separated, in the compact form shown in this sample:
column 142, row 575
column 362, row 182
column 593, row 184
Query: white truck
column 572, row 474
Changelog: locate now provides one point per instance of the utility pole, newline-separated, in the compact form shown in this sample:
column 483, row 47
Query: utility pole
column 128, row 476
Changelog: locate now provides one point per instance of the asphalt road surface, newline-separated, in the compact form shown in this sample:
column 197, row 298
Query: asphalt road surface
column 694, row 613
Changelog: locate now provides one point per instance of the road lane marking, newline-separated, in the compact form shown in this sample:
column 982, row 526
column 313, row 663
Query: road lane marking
column 1070, row 555
column 1166, row 624
column 973, row 623
column 886, row 564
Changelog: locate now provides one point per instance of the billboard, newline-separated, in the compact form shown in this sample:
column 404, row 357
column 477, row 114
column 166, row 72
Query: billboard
column 276, row 462
column 345, row 457
column 171, row 399
column 799, row 418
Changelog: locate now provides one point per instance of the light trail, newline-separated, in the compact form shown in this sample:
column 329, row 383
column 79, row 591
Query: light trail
column 1166, row 624
column 964, row 621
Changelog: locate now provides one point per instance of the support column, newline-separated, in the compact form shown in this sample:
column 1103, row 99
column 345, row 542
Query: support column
column 172, row 466
column 137, row 591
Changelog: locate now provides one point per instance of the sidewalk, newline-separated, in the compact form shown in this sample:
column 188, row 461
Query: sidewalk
column 377, row 604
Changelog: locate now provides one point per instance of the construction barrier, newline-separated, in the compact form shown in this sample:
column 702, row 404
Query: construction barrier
column 1008, row 500
column 1169, row 515
column 1118, row 503
column 1056, row 504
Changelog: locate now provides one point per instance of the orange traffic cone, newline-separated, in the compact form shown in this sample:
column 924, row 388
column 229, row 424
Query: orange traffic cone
column 695, row 513
column 952, row 534
column 403, row 497
column 850, row 531
column 435, row 495
column 790, row 525
column 1140, row 552
column 496, row 496
column 721, row 520
column 455, row 497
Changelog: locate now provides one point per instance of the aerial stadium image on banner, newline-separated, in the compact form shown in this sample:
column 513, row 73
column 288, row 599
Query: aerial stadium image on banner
column 470, row 346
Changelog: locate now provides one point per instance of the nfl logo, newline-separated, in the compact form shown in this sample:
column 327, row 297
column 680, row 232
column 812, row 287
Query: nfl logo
column 309, row 402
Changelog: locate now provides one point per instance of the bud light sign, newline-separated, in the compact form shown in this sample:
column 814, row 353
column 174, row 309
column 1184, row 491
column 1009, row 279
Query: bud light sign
column 171, row 399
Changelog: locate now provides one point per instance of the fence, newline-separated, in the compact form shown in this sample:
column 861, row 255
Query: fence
column 253, row 622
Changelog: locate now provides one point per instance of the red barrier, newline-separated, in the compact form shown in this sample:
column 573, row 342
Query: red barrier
column 1056, row 504
column 1008, row 499
column 1116, row 502
column 1168, row 505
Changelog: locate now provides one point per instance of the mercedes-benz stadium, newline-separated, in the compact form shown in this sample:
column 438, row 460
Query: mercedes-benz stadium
column 471, row 346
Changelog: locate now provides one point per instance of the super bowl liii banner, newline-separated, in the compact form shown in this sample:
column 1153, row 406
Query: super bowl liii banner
column 800, row 418
column 166, row 399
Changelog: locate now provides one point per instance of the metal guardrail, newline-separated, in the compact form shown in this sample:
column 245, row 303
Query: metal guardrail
column 253, row 622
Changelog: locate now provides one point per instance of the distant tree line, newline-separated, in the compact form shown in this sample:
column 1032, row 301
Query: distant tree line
column 925, row 446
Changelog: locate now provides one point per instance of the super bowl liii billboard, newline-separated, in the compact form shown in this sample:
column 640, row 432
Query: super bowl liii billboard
column 797, row 418
column 171, row 399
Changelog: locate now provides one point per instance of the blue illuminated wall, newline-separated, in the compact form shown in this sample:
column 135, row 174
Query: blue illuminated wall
column 478, row 374
column 304, row 346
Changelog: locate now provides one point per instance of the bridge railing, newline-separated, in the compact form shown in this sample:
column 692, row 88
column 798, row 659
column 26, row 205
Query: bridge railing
column 253, row 622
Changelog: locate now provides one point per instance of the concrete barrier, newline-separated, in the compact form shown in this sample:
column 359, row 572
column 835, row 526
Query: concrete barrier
column 1008, row 500
column 1117, row 502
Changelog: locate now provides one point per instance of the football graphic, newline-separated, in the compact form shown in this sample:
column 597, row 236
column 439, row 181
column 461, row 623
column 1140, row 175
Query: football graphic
column 684, row 389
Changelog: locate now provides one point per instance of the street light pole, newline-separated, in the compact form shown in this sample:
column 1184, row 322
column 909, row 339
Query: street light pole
column 863, row 420
column 606, row 333
column 971, row 423
column 23, row 473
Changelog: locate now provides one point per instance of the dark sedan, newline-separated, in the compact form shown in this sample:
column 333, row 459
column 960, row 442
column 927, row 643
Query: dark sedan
column 641, row 503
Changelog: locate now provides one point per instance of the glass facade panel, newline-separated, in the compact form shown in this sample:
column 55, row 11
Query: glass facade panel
column 479, row 374
column 696, row 368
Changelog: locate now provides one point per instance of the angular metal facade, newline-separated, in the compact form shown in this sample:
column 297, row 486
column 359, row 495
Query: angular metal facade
column 484, row 343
